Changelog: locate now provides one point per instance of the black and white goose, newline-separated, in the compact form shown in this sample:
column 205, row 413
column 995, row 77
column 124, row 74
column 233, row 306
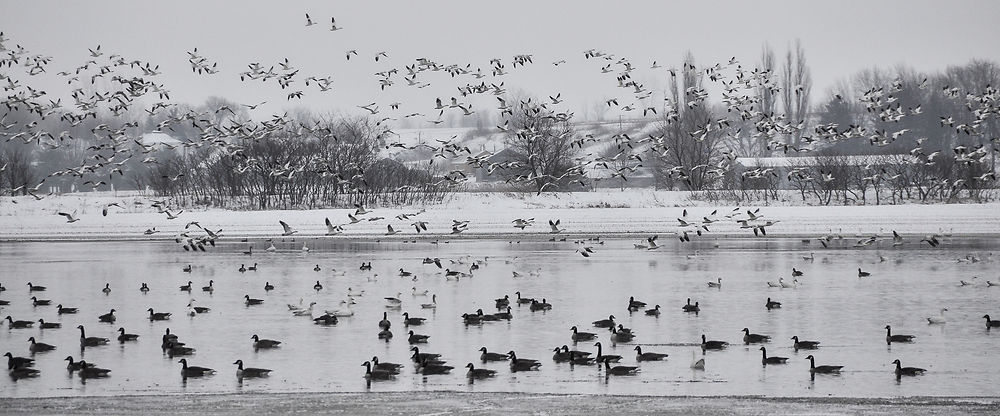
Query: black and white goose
column 487, row 356
column 907, row 371
column 634, row 305
column 12, row 324
column 602, row 358
column 407, row 320
column 63, row 310
column 620, row 370
column 194, row 371
column 772, row 304
column 804, row 345
column 263, row 343
column 749, row 338
column 376, row 373
column 712, row 345
column 605, row 323
column 765, row 360
column 822, row 369
column 39, row 346
column 479, row 372
column 88, row 370
column 890, row 338
column 40, row 302
column 522, row 364
column 688, row 307
column 390, row 367
column 125, row 337
column 581, row 336
column 252, row 301
column 48, row 325
column 158, row 316
column 648, row 356
column 86, row 341
column 108, row 317
column 991, row 323
column 250, row 372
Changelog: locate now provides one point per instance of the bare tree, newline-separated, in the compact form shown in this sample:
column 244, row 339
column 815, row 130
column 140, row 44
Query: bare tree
column 796, row 84
column 540, row 143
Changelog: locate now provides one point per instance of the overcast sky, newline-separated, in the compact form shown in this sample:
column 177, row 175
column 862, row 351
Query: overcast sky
column 840, row 37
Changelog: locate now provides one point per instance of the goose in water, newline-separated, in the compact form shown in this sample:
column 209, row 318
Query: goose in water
column 804, row 345
column 890, row 338
column 251, row 301
column 540, row 306
column 197, row 309
column 174, row 350
column 158, row 316
column 23, row 372
column 249, row 372
column 268, row 286
column 907, row 371
column 108, row 317
column 938, row 319
column 91, row 371
column 479, row 372
column 810, row 257
column 317, row 268
column 186, row 269
column 492, row 356
column 187, row 287
column 765, row 360
column 697, row 363
column 792, row 285
column 107, row 289
column 305, row 312
column 407, row 320
column 775, row 284
column 648, row 356
column 194, row 371
column 429, row 367
column 343, row 311
column 39, row 302
column 712, row 345
column 252, row 268
column 772, row 304
column 582, row 336
column 144, row 288
column 61, row 310
column 12, row 324
column 602, row 358
column 73, row 365
column 394, row 302
column 863, row 273
column 989, row 322
column 18, row 362
column 605, row 323
column 634, row 305
column 39, row 346
column 262, row 343
column 622, row 334
column 390, row 367
column 327, row 320
column 796, row 273
column 717, row 283
column 210, row 288
column 522, row 364
column 48, row 325
column 620, row 370
column 317, row 287
column 86, row 341
column 124, row 337
column 35, row 288
column 384, row 323
column 822, row 369
column 523, row 301
column 419, row 357
column 417, row 338
column 749, row 338
column 653, row 312
column 691, row 308
column 431, row 305
column 376, row 373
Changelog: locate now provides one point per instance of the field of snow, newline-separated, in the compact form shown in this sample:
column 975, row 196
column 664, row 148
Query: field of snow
column 606, row 212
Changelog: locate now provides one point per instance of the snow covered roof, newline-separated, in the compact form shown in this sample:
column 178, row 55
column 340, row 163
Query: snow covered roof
column 776, row 162
column 155, row 137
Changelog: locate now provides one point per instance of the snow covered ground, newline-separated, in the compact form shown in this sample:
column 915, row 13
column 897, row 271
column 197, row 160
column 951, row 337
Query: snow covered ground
column 605, row 212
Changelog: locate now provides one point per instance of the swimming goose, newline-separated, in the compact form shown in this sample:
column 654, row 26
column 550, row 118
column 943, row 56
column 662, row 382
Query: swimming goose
column 39, row 346
column 522, row 364
column 648, row 356
column 252, row 268
column 804, row 345
column 394, row 302
column 579, row 358
column 343, row 311
column 424, row 292
column 107, row 288
column 691, row 308
column 158, row 316
column 717, row 283
column 605, row 323
column 249, row 372
column 376, row 374
column 492, row 356
column 810, row 257
column 907, row 371
column 91, row 371
column 243, row 268
column 210, row 288
column 317, row 268
column 61, row 310
column 602, row 358
column 502, row 302
column 390, row 367
column 862, row 273
column 989, row 322
column 186, row 269
column 540, row 306
column 251, row 301
column 144, row 288
column 712, row 345
column 749, row 338
column 262, row 343
column 479, row 372
column 23, row 372
column 48, row 325
column 197, row 309
column 419, row 357
column 431, row 305
column 430, row 367
column 622, row 334
column 504, row 315
column 194, row 371
column 634, row 305
column 523, row 301
column 796, row 273
column 305, row 312
column 823, row 369
column 18, row 362
column 890, row 338
column 174, row 350
column 317, row 287
column 774, row 284
column 35, row 288
column 187, row 287
column 268, row 286
column 329, row 319
column 123, row 337
column 582, row 336
column 772, row 304
column 653, row 312
column 384, row 323
column 697, row 363
column 407, row 320
column 620, row 370
column 86, row 341
column 73, row 365
column 792, row 285
column 938, row 319
column 40, row 302
column 108, row 317
column 417, row 338
column 18, row 324
column 765, row 360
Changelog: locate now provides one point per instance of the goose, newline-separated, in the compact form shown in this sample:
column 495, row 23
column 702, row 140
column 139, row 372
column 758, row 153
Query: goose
column 648, row 356
column 749, row 338
column 712, row 345
column 432, row 367
column 522, row 364
column 989, row 322
column 39, row 346
column 582, row 336
column 144, row 288
column 391, row 231
column 252, row 268
column 376, row 373
column 796, row 273
column 251, row 301
column 35, row 288
column 70, row 218
column 187, row 287
column 823, row 369
column 243, row 268
column 384, row 323
column 268, row 286
column 194, row 371
column 210, row 288
column 40, row 302
column 792, row 285
column 18, row 362
column 86, row 341
column 554, row 227
column 890, row 338
column 317, row 287
column 697, row 363
column 108, row 317
column 602, row 358
column 270, row 249
column 504, row 315
column 90, row 371
column 186, row 269
column 48, row 325
column 305, row 312
column 158, row 316
column 263, row 343
column 317, row 268
column 197, row 309
column 123, row 337
column 107, row 288
column 579, row 357
column 863, row 273
column 417, row 338
column 479, row 372
column 991, row 284
column 424, row 292
column 62, row 310
column 249, row 372
column 634, row 305
column 12, row 324
column 326, row 320
column 804, row 345
column 73, row 365
column 523, row 301
column 937, row 320
column 502, row 302
column 558, row 355
column 174, row 350
column 691, row 308
column 419, row 357
column 390, row 367
column 775, row 284
column 407, row 320
column 287, row 229
column 717, row 283
column 620, row 370
column 344, row 310
column 353, row 294
column 168, row 337
column 394, row 302
column 772, row 304
column 653, row 312
column 605, row 323
column 484, row 317
column 305, row 248
column 540, row 306
column 765, row 360
column 492, row 356
column 907, row 371
column 810, row 257
column 622, row 334
column 431, row 305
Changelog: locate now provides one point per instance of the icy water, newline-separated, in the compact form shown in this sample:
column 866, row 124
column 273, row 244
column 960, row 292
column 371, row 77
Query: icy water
column 831, row 305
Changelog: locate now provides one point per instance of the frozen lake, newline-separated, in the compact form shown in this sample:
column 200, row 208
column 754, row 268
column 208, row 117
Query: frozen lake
column 832, row 305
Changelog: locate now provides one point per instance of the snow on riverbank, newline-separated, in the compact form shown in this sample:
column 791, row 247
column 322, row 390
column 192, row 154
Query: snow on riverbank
column 611, row 212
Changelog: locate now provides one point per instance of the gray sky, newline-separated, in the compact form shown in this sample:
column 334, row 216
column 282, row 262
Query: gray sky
column 840, row 37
